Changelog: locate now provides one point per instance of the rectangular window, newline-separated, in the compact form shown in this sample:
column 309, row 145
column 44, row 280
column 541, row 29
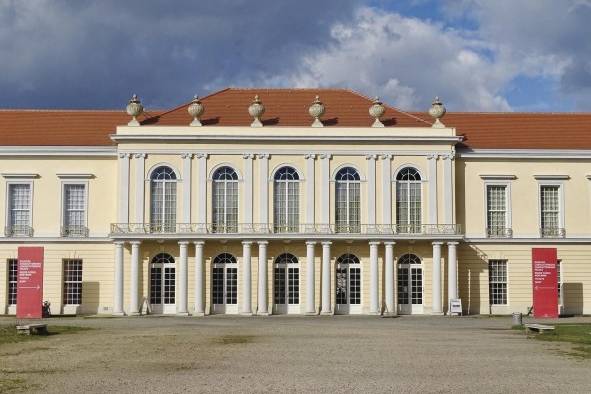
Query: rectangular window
column 12, row 280
column 550, row 210
column 72, row 281
column 497, row 282
column 19, row 209
column 496, row 210
column 74, row 210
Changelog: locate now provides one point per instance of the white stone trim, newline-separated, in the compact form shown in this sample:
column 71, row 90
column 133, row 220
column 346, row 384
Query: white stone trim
column 262, row 294
column 452, row 271
column 201, row 187
column 140, row 186
column 386, row 188
column 432, row 168
column 497, row 177
column 374, row 292
column 177, row 173
column 134, row 298
column 436, row 304
column 362, row 177
column 551, row 177
column 19, row 175
column 448, row 188
column 310, row 187
column 82, row 151
column 310, row 278
column 561, row 216
column 118, row 280
column 246, row 301
column 85, row 183
column 15, row 181
column 508, row 204
column 390, row 278
column 325, row 191
column 371, row 189
column 74, row 176
column 326, row 279
column 187, row 185
column 271, row 176
column 525, row 153
column 183, row 279
column 248, row 192
column 263, row 160
column 412, row 165
column 199, row 307
column 226, row 164
column 123, row 192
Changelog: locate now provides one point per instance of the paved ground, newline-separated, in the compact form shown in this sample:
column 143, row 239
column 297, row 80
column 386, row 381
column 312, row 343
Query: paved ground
column 317, row 354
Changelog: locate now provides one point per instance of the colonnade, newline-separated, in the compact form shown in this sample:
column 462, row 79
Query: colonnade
column 261, row 307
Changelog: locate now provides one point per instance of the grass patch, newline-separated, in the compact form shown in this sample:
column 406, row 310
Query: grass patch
column 233, row 339
column 578, row 334
column 8, row 333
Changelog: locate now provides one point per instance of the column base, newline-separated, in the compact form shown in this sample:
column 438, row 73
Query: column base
column 263, row 314
column 182, row 314
column 118, row 314
column 198, row 314
column 437, row 313
column 327, row 313
column 135, row 314
column 311, row 313
column 245, row 313
column 374, row 313
column 389, row 314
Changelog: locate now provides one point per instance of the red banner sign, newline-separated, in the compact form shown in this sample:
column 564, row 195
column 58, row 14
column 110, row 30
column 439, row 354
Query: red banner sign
column 29, row 289
column 545, row 278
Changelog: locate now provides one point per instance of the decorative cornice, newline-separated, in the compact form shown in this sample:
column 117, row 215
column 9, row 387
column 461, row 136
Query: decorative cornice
column 525, row 153
column 499, row 177
column 19, row 175
column 75, row 176
column 552, row 177
column 58, row 151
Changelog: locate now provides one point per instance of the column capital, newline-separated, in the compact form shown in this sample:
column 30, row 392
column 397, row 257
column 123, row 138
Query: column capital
column 374, row 243
column 246, row 243
column 386, row 156
column 310, row 156
column 310, row 243
column 140, row 155
column 199, row 243
column 248, row 156
column 325, row 156
column 119, row 243
column 326, row 243
column 124, row 155
column 135, row 243
column 187, row 155
column 371, row 157
column 263, row 243
column 432, row 156
column 201, row 155
column 449, row 156
column 389, row 243
column 263, row 155
column 437, row 243
column 183, row 243
column 452, row 243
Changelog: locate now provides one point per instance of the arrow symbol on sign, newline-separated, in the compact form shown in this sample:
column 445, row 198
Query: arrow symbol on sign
column 30, row 287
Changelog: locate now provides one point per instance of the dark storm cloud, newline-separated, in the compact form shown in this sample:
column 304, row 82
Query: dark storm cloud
column 94, row 54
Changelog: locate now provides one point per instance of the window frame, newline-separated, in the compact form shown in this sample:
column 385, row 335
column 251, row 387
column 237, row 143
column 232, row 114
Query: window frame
column 561, row 213
column 11, row 284
column 216, row 226
column 508, row 208
column 348, row 202
column 397, row 184
column 65, row 282
column 287, row 227
column 162, row 225
column 65, row 183
column 7, row 208
column 505, row 282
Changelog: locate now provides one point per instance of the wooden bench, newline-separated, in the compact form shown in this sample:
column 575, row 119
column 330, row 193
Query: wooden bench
column 539, row 328
column 36, row 329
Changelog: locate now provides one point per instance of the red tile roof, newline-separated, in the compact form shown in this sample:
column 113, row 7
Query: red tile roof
column 289, row 107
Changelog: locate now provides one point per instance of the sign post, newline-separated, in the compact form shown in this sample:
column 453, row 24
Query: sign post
column 544, row 276
column 29, row 289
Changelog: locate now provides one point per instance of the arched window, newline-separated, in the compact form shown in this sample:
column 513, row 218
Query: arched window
column 410, row 284
column 162, row 284
column 225, row 200
column 286, row 200
column 287, row 284
column 224, row 293
column 408, row 200
column 163, row 200
column 348, row 284
column 347, row 201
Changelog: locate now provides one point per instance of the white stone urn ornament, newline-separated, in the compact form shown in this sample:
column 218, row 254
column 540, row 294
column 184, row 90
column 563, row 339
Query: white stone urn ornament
column 437, row 111
column 256, row 109
column 196, row 109
column 134, row 109
column 376, row 111
column 316, row 110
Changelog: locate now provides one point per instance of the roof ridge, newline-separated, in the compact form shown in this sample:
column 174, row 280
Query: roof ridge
column 390, row 106
column 186, row 103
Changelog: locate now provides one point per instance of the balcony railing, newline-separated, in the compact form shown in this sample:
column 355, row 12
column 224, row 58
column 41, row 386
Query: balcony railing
column 552, row 232
column 499, row 232
column 74, row 231
column 18, row 230
column 264, row 228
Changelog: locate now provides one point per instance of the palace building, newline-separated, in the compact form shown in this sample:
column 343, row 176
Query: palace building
column 294, row 201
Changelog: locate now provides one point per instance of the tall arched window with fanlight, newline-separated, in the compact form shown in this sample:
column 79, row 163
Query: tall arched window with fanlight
column 286, row 200
column 163, row 199
column 408, row 200
column 347, row 201
column 225, row 200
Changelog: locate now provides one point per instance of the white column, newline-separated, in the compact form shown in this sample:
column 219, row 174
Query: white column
column 326, row 276
column 248, row 157
column 387, row 189
column 263, row 160
column 389, row 274
column 187, row 182
column 182, row 294
column 134, row 307
column 123, row 192
column 246, row 279
column 452, row 271
column 371, row 191
column 448, row 214
column 263, row 307
column 310, row 187
column 437, row 308
column 199, row 279
column 374, row 290
column 325, row 192
column 201, row 188
column 118, row 285
column 310, row 279
column 432, row 160
column 140, row 186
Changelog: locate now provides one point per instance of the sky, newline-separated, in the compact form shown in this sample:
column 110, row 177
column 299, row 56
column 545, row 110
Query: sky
column 476, row 55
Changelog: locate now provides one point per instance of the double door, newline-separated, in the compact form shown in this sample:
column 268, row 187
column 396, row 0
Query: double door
column 410, row 289
column 162, row 288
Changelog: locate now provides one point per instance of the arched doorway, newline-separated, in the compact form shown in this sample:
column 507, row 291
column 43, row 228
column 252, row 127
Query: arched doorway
column 410, row 284
column 348, row 285
column 286, row 284
column 162, row 284
column 224, row 292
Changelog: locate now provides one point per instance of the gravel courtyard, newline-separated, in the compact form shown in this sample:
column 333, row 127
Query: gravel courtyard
column 317, row 354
